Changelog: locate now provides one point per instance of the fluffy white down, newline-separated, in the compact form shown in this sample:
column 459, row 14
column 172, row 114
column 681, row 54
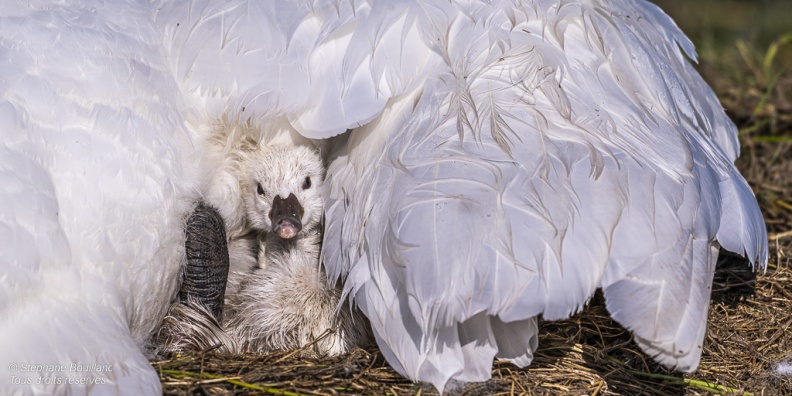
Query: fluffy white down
column 278, row 297
column 287, row 302
column 504, row 160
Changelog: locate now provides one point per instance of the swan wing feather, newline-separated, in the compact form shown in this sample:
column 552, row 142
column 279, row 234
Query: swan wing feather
column 542, row 159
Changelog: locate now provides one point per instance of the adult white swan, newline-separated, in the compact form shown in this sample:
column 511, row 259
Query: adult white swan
column 505, row 160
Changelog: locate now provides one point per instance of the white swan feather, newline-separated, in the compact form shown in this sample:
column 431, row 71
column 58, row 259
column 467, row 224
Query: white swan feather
column 95, row 187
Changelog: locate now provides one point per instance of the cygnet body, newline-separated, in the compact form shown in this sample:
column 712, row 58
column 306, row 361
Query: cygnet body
column 285, row 302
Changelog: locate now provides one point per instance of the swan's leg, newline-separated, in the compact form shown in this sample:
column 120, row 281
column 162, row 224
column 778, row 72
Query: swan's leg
column 194, row 322
column 206, row 271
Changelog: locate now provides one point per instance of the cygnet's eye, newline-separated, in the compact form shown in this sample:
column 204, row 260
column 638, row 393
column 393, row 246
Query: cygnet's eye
column 307, row 183
column 259, row 189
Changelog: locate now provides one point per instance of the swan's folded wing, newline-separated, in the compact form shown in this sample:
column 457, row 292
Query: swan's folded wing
column 553, row 155
column 326, row 66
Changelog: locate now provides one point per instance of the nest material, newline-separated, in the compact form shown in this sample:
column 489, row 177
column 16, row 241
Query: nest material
column 586, row 354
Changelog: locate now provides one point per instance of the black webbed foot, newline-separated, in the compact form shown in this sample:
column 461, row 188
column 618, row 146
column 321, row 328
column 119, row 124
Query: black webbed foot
column 206, row 271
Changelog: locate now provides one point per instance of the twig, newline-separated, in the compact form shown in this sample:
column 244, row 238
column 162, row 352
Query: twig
column 272, row 391
column 775, row 336
column 780, row 235
column 783, row 204
column 305, row 347
column 703, row 385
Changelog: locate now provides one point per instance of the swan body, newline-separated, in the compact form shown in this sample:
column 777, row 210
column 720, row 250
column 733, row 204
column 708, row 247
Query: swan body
column 96, row 180
column 499, row 160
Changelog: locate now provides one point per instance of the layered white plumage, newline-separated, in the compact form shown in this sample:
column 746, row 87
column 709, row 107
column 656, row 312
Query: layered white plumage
column 95, row 183
column 505, row 160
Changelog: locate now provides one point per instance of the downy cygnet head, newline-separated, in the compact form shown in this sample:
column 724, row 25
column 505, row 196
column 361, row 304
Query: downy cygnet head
column 281, row 186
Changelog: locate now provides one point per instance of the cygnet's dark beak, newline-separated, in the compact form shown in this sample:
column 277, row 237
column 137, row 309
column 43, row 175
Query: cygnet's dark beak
column 285, row 216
